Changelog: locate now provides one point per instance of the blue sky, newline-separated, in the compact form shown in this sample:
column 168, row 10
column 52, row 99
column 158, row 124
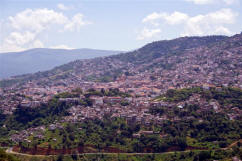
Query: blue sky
column 112, row 24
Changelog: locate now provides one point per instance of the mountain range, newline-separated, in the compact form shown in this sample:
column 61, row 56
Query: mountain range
column 168, row 96
column 180, row 62
column 41, row 59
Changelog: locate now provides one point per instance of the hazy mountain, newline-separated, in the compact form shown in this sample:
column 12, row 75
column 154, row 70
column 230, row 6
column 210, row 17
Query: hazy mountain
column 177, row 62
column 40, row 59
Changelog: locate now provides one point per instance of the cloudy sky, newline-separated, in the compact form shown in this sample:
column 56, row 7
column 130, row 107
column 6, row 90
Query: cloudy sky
column 111, row 24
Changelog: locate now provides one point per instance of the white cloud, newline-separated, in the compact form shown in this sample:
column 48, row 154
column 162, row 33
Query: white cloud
column 152, row 18
column 26, row 26
column 36, row 20
column 223, row 30
column 40, row 19
column 37, row 44
column 11, row 48
column 148, row 33
column 61, row 47
column 211, row 23
column 174, row 18
column 205, row 2
column 201, row 1
column 76, row 23
column 204, row 24
column 17, row 38
column 230, row 2
column 15, row 41
column 63, row 7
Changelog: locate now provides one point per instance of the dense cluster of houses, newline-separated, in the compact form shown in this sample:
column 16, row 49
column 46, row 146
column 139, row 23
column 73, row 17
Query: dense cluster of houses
column 140, row 86
column 201, row 66
column 136, row 111
column 23, row 136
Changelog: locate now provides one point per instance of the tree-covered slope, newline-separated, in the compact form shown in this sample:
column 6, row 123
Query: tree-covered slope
column 210, row 55
column 34, row 60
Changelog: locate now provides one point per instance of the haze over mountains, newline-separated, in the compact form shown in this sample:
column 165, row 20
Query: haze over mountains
column 176, row 63
column 40, row 59
column 183, row 93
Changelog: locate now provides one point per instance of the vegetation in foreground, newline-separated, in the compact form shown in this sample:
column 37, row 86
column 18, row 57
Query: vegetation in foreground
column 7, row 157
column 206, row 131
column 198, row 155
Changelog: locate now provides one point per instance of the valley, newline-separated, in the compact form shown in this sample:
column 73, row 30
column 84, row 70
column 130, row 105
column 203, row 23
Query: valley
column 181, row 96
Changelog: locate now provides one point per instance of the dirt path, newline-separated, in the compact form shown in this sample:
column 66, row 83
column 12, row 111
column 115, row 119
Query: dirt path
column 232, row 144
column 10, row 150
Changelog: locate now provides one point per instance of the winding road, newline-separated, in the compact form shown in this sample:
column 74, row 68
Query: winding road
column 10, row 150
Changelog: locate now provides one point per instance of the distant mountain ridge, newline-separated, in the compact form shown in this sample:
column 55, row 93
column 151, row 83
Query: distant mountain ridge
column 171, row 63
column 41, row 59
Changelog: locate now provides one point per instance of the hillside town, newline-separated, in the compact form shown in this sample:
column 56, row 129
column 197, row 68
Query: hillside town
column 113, row 80
column 143, row 84
column 199, row 66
